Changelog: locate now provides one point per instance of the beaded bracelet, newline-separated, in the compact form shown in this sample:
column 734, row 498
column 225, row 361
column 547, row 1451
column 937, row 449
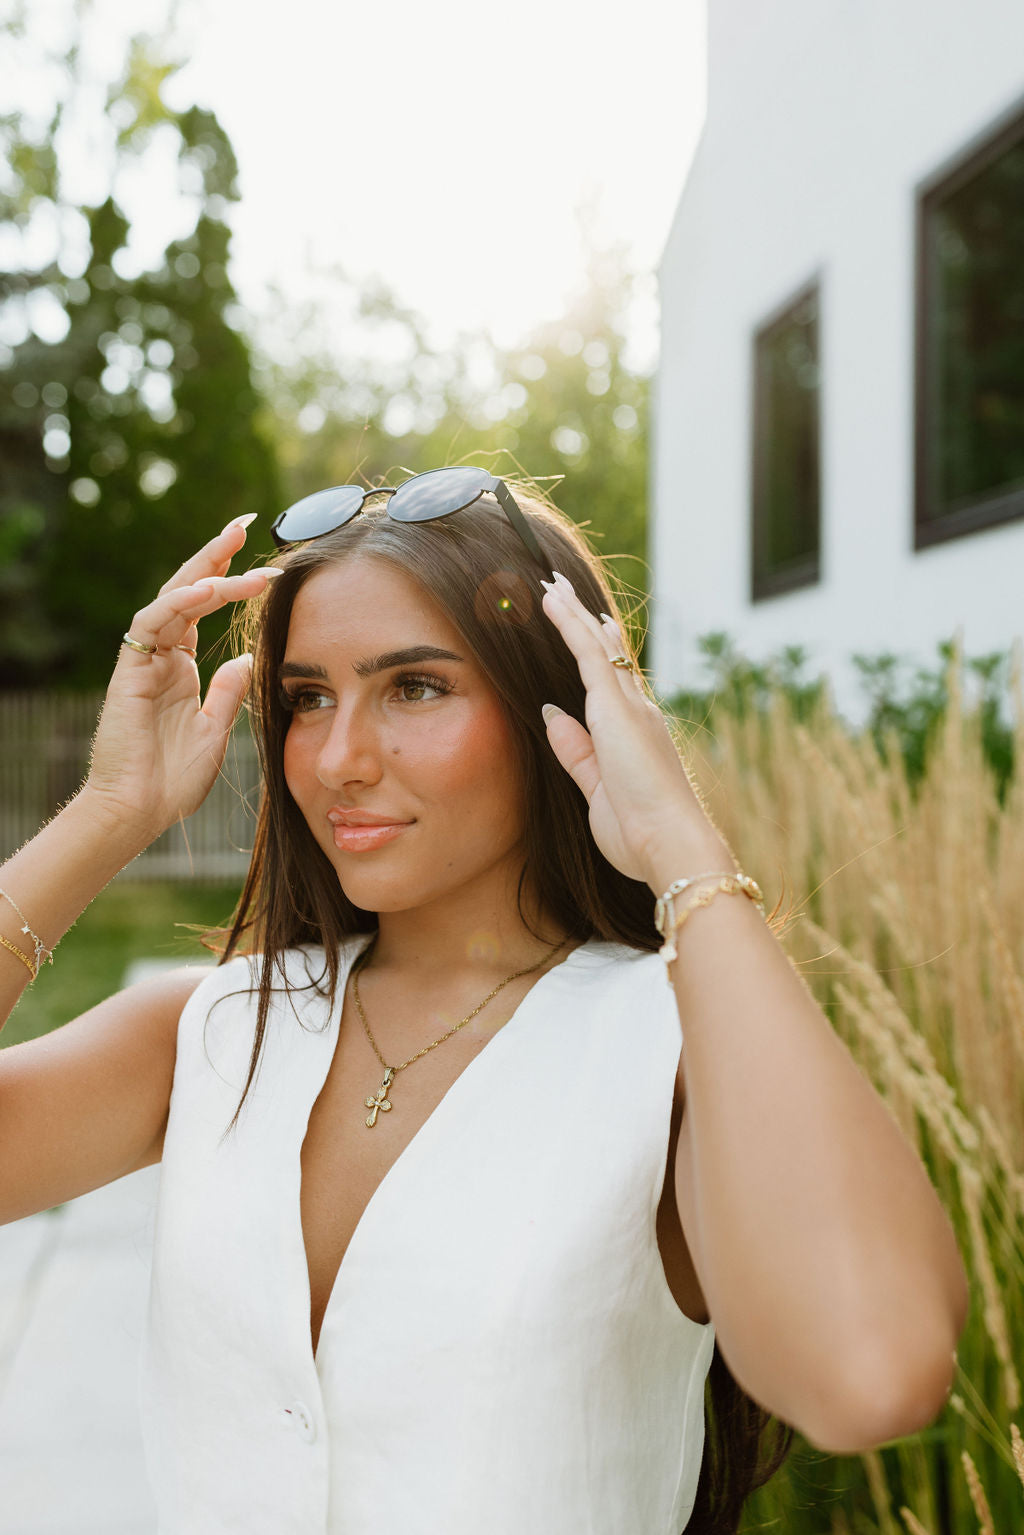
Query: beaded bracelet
column 41, row 951
column 729, row 884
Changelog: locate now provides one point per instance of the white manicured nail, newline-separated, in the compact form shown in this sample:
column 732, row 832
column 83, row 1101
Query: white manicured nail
column 240, row 522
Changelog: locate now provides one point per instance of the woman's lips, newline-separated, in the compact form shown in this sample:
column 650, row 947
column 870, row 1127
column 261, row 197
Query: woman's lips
column 363, row 839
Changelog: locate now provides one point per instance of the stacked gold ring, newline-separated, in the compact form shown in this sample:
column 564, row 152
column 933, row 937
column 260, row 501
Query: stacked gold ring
column 151, row 650
column 145, row 650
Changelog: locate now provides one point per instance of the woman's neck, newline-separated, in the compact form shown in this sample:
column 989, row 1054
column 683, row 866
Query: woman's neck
column 465, row 936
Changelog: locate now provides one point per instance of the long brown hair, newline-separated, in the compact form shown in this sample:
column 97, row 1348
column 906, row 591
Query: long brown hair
column 477, row 570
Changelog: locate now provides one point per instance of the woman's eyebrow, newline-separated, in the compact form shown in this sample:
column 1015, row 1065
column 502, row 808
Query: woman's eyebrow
column 371, row 664
column 300, row 669
column 407, row 657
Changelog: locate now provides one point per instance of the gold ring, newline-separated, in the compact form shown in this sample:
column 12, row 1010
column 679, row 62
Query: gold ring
column 622, row 661
column 191, row 651
column 145, row 650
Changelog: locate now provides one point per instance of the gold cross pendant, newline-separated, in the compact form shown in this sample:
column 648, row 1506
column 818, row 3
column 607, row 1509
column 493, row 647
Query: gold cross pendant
column 381, row 1103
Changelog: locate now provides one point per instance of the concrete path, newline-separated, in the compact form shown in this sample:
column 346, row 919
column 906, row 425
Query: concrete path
column 74, row 1284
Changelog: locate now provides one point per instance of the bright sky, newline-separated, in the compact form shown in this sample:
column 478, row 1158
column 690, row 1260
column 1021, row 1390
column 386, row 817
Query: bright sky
column 445, row 148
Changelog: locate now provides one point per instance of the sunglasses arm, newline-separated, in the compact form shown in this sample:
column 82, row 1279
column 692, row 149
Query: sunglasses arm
column 521, row 526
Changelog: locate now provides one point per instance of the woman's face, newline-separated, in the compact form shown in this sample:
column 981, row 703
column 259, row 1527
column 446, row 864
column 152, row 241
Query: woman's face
column 392, row 720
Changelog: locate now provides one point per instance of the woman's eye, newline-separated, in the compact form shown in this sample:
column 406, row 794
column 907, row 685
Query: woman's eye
column 303, row 700
column 414, row 688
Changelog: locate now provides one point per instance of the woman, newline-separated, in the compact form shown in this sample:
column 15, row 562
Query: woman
column 468, row 1164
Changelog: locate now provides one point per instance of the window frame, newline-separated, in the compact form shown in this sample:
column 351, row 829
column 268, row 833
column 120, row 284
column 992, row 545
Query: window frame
column 808, row 571
column 932, row 526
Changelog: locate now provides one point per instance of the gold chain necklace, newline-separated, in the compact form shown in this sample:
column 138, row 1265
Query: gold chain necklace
column 380, row 1103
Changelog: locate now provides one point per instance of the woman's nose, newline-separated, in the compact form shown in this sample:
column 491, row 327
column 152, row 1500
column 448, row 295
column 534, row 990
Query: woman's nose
column 351, row 752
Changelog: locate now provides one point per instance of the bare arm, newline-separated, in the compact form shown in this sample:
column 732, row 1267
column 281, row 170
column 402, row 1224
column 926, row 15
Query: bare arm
column 86, row 1103
column 813, row 1226
column 89, row 1102
column 828, row 1265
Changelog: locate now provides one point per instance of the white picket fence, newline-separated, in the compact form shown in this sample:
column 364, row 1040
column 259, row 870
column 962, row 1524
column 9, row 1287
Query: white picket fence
column 44, row 752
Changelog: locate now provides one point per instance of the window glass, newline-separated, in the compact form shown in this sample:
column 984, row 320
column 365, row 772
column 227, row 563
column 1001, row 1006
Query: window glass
column 786, row 450
column 971, row 432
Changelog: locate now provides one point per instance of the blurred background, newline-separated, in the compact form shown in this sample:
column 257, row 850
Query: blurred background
column 742, row 288
column 243, row 261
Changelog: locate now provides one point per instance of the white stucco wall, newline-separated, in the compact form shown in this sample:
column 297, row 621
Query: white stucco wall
column 824, row 117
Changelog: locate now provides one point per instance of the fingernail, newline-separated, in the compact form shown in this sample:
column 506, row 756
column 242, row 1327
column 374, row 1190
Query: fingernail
column 269, row 570
column 549, row 712
column 240, row 522
column 565, row 580
column 609, row 620
column 548, row 586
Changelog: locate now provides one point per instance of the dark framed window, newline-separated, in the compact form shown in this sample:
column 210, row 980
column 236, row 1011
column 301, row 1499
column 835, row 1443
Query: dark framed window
column 787, row 454
column 969, row 416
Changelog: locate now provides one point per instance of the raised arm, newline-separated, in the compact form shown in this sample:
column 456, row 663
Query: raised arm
column 88, row 1103
column 828, row 1265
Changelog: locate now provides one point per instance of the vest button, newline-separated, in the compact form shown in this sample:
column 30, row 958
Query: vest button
column 299, row 1417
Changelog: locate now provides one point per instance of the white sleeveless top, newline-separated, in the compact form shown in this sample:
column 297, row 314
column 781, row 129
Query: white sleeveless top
column 500, row 1351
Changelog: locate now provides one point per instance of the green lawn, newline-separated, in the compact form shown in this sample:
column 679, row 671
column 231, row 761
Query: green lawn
column 126, row 922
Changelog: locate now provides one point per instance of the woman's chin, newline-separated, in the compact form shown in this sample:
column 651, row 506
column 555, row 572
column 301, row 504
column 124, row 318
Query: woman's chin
column 382, row 889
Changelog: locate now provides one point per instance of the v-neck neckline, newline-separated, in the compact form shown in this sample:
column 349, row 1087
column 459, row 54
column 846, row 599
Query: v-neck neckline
column 414, row 1144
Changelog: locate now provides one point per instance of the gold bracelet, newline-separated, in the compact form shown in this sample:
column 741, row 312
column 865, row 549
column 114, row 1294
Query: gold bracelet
column 32, row 969
column 41, row 951
column 729, row 884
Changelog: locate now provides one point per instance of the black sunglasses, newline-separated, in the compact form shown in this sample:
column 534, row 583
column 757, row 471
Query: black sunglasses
column 423, row 498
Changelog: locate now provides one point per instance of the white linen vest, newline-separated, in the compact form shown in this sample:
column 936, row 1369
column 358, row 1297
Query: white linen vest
column 500, row 1352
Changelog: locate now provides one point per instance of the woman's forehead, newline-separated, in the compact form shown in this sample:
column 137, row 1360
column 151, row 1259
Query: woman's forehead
column 366, row 599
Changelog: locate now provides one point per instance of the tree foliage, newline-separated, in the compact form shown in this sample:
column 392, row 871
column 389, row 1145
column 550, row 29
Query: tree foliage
column 563, row 408
column 129, row 423
column 908, row 703
column 135, row 418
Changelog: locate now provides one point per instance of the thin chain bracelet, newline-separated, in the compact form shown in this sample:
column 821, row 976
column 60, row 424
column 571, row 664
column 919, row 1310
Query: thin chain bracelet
column 32, row 969
column 41, row 951
column 663, row 905
column 668, row 926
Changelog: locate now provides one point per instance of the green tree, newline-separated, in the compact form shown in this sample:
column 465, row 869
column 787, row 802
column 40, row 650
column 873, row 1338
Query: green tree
column 563, row 407
column 129, row 417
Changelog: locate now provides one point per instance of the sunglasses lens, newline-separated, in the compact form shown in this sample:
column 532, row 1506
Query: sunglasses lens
column 439, row 492
column 319, row 513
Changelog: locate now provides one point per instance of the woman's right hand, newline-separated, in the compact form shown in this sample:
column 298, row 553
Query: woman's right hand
column 159, row 746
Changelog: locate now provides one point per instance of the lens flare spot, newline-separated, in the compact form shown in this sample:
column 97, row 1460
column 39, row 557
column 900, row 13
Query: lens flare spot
column 504, row 596
column 483, row 945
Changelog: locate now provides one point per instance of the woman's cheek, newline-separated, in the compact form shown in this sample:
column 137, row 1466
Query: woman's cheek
column 298, row 765
column 479, row 762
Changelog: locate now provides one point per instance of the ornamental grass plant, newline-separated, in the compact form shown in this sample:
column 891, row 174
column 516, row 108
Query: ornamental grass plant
column 903, row 881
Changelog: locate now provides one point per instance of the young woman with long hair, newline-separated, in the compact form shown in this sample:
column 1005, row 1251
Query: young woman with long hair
column 512, row 1179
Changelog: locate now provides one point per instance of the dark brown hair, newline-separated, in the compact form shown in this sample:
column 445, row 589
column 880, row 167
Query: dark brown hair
column 477, row 570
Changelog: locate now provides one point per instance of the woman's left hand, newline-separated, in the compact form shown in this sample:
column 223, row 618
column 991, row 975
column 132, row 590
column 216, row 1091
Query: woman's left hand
column 625, row 762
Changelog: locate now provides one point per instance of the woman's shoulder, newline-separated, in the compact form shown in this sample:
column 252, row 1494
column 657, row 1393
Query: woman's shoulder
column 598, row 954
column 613, row 998
column 303, row 968
column 611, row 968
